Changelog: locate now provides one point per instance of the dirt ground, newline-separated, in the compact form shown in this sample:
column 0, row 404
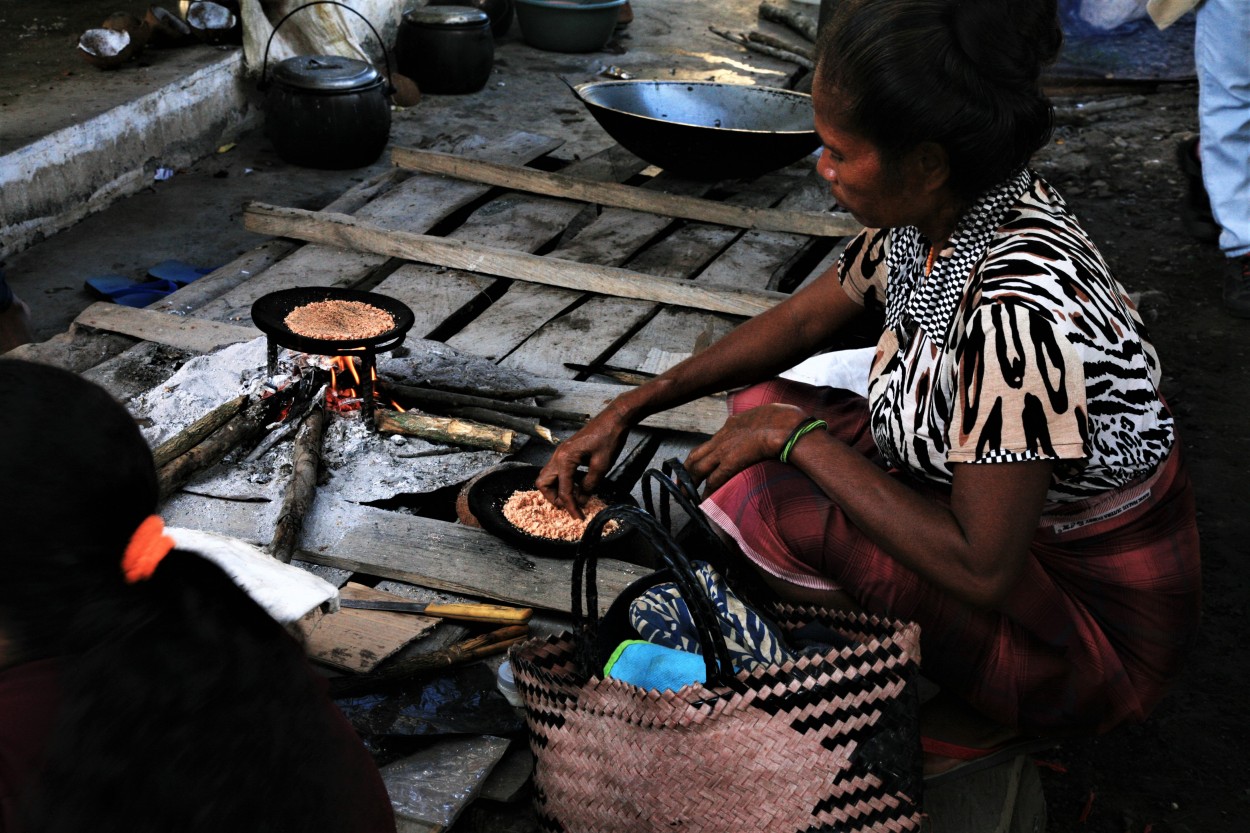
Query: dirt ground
column 1182, row 771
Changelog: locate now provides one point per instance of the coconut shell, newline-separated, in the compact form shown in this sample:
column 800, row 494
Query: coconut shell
column 138, row 30
column 106, row 48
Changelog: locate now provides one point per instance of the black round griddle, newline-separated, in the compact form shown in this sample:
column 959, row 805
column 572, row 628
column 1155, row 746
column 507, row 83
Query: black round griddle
column 703, row 129
column 487, row 496
column 269, row 314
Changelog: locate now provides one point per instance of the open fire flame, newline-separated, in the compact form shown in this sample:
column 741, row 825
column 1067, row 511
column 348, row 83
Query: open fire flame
column 346, row 392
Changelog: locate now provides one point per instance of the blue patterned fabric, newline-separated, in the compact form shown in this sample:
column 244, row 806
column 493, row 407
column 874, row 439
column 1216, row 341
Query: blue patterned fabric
column 660, row 616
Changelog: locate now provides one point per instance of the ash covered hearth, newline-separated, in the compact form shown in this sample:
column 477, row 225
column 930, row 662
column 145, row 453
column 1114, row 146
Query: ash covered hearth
column 432, row 430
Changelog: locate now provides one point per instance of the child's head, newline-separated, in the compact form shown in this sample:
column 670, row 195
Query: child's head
column 76, row 480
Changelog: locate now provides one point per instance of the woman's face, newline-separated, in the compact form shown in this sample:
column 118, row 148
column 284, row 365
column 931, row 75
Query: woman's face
column 872, row 190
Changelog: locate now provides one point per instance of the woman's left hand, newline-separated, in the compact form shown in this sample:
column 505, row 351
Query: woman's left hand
column 744, row 440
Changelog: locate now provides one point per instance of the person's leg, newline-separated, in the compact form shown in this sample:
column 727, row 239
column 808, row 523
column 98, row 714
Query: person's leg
column 1222, row 57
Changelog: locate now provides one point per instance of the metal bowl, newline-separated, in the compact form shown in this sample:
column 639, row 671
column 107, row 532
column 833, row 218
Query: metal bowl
column 568, row 25
column 491, row 491
column 704, row 129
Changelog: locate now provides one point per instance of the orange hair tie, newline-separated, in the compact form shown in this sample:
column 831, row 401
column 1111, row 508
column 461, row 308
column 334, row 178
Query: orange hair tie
column 147, row 547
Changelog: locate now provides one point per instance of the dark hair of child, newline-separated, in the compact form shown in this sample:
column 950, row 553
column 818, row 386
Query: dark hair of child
column 183, row 706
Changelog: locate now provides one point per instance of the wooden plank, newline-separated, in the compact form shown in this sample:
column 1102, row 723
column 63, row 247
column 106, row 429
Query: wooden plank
column 812, row 223
column 578, row 336
column 511, row 221
column 756, row 256
column 670, row 336
column 82, row 348
column 77, row 349
column 445, row 556
column 702, row 416
column 609, row 240
column 359, row 640
column 417, row 204
column 430, row 789
column 184, row 332
column 342, row 230
column 679, row 256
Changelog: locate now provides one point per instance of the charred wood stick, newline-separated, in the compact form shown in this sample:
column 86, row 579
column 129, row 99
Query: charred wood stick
column 796, row 20
column 479, row 647
column 302, row 488
column 194, row 434
column 243, row 426
column 620, row 374
column 289, row 426
column 446, row 430
column 425, row 397
column 525, row 426
column 775, row 42
column 762, row 49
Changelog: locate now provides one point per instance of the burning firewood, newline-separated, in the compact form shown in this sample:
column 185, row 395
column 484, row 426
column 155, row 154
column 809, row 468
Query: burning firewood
column 801, row 23
column 529, row 427
column 247, row 423
column 302, row 488
column 427, row 398
column 243, row 426
column 447, row 430
column 194, row 434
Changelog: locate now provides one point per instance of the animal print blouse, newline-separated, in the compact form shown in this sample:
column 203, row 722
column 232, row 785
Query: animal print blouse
column 1019, row 346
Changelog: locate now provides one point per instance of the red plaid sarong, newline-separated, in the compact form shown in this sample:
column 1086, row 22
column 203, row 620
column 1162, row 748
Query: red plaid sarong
column 1094, row 632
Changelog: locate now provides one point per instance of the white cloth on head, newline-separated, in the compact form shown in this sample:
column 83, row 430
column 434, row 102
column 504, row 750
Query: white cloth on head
column 286, row 593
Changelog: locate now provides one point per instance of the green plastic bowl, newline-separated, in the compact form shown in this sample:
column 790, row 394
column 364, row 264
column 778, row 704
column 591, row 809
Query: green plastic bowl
column 567, row 25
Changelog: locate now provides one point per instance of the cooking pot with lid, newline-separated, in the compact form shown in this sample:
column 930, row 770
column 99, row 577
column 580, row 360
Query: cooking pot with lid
column 326, row 111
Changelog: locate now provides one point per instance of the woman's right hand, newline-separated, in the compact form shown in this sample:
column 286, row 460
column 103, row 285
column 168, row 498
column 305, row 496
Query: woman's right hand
column 595, row 446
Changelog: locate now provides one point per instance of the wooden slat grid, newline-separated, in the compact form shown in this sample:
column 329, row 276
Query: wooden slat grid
column 540, row 328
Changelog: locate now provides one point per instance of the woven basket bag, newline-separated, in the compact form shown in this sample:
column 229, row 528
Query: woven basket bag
column 824, row 743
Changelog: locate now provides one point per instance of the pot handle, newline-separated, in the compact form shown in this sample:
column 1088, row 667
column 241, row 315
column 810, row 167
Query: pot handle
column 264, row 66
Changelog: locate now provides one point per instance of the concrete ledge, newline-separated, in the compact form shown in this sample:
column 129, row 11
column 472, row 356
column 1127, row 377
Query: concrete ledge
column 55, row 181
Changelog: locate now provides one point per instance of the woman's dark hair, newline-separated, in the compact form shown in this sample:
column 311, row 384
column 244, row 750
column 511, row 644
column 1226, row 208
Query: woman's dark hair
column 183, row 705
column 962, row 73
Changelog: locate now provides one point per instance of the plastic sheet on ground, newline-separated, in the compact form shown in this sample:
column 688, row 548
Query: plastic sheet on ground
column 437, row 783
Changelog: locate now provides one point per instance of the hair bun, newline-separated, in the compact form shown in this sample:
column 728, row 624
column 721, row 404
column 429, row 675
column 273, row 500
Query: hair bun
column 1009, row 41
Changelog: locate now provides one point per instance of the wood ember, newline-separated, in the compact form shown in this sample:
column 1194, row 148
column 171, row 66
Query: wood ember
column 339, row 320
column 530, row 512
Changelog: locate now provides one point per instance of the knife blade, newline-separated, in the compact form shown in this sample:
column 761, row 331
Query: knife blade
column 463, row 612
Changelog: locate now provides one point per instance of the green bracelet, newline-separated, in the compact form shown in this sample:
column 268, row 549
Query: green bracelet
column 805, row 427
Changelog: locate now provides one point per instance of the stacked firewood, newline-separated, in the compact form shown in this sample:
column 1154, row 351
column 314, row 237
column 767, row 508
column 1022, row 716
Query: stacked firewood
column 783, row 49
column 492, row 419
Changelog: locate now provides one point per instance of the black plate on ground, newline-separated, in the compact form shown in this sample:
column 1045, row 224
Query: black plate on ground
column 492, row 490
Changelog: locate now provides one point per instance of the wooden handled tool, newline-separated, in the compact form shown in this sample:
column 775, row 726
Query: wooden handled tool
column 463, row 612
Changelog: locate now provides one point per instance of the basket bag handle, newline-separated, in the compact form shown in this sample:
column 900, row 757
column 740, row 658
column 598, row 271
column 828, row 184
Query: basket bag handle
column 677, row 486
column 716, row 658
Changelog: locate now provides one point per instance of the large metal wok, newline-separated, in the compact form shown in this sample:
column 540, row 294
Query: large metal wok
column 703, row 129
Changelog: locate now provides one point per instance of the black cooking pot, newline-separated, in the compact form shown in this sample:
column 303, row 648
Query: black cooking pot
column 325, row 111
column 703, row 129
column 446, row 49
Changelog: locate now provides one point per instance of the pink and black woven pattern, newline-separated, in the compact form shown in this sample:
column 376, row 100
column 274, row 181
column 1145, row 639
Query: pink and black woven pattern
column 828, row 743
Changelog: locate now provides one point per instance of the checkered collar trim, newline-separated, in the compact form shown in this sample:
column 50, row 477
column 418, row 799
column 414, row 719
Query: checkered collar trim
column 912, row 300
